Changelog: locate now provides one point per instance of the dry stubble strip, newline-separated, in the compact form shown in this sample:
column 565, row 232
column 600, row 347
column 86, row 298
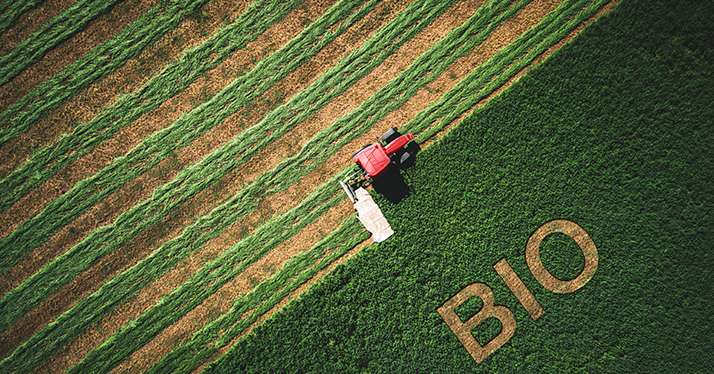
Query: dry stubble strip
column 28, row 21
column 89, row 310
column 187, row 297
column 46, row 162
column 100, row 61
column 54, row 32
column 567, row 30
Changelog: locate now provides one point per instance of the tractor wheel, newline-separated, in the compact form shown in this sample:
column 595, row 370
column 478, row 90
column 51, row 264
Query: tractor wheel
column 389, row 136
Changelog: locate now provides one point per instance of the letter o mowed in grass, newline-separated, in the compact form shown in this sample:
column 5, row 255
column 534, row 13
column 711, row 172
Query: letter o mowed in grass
column 490, row 309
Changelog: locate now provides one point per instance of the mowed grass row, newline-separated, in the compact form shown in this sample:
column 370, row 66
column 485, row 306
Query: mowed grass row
column 98, row 62
column 221, row 332
column 11, row 11
column 199, row 176
column 158, row 146
column 184, row 299
column 49, row 35
column 208, row 280
column 89, row 311
column 47, row 161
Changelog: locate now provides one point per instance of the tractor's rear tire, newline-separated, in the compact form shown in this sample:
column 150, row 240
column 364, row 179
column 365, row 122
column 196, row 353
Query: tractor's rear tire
column 389, row 136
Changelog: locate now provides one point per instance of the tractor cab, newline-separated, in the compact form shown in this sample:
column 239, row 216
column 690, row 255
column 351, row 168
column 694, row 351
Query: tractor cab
column 394, row 148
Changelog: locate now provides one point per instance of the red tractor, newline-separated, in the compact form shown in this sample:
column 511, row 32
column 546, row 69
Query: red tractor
column 374, row 160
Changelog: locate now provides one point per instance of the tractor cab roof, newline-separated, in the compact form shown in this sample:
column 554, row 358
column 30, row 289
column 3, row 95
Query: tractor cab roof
column 373, row 159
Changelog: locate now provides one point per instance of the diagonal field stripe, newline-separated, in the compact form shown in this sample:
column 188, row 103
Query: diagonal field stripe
column 176, row 77
column 101, row 60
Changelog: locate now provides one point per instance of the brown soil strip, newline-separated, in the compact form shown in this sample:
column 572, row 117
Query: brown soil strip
column 208, row 199
column 141, row 188
column 97, row 31
column 344, row 258
column 222, row 300
column 30, row 22
column 296, row 294
column 128, row 78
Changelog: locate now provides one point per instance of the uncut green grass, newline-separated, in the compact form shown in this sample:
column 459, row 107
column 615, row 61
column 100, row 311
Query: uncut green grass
column 103, row 240
column 613, row 132
column 193, row 179
column 98, row 62
column 11, row 11
column 47, row 161
column 206, row 342
column 49, row 35
column 318, row 150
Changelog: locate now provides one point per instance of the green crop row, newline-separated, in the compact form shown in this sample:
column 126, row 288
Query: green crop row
column 603, row 133
column 126, row 285
column 173, row 79
column 206, row 342
column 11, row 11
column 437, row 59
column 33, row 232
column 49, row 35
column 210, row 169
column 208, row 280
column 100, row 61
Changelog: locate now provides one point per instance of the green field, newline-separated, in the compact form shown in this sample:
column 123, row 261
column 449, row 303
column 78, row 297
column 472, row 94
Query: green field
column 613, row 132
column 169, row 198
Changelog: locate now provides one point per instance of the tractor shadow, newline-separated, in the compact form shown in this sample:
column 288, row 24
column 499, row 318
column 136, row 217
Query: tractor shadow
column 391, row 184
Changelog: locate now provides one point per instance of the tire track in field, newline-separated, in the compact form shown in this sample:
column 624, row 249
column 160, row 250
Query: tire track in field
column 99, row 30
column 352, row 252
column 284, row 147
column 29, row 22
column 150, row 239
column 222, row 300
column 143, row 186
column 130, row 77
column 101, row 93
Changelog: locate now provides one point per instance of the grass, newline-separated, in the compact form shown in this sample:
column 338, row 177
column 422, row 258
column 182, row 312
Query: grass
column 49, row 35
column 611, row 132
column 47, row 161
column 11, row 11
column 191, row 180
column 101, row 60
column 246, row 310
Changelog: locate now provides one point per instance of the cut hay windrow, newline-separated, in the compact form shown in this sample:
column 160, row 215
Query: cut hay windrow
column 206, row 342
column 100, row 61
column 208, row 280
column 152, row 150
column 199, row 176
column 456, row 44
column 126, row 285
column 11, row 11
column 173, row 79
column 54, row 32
